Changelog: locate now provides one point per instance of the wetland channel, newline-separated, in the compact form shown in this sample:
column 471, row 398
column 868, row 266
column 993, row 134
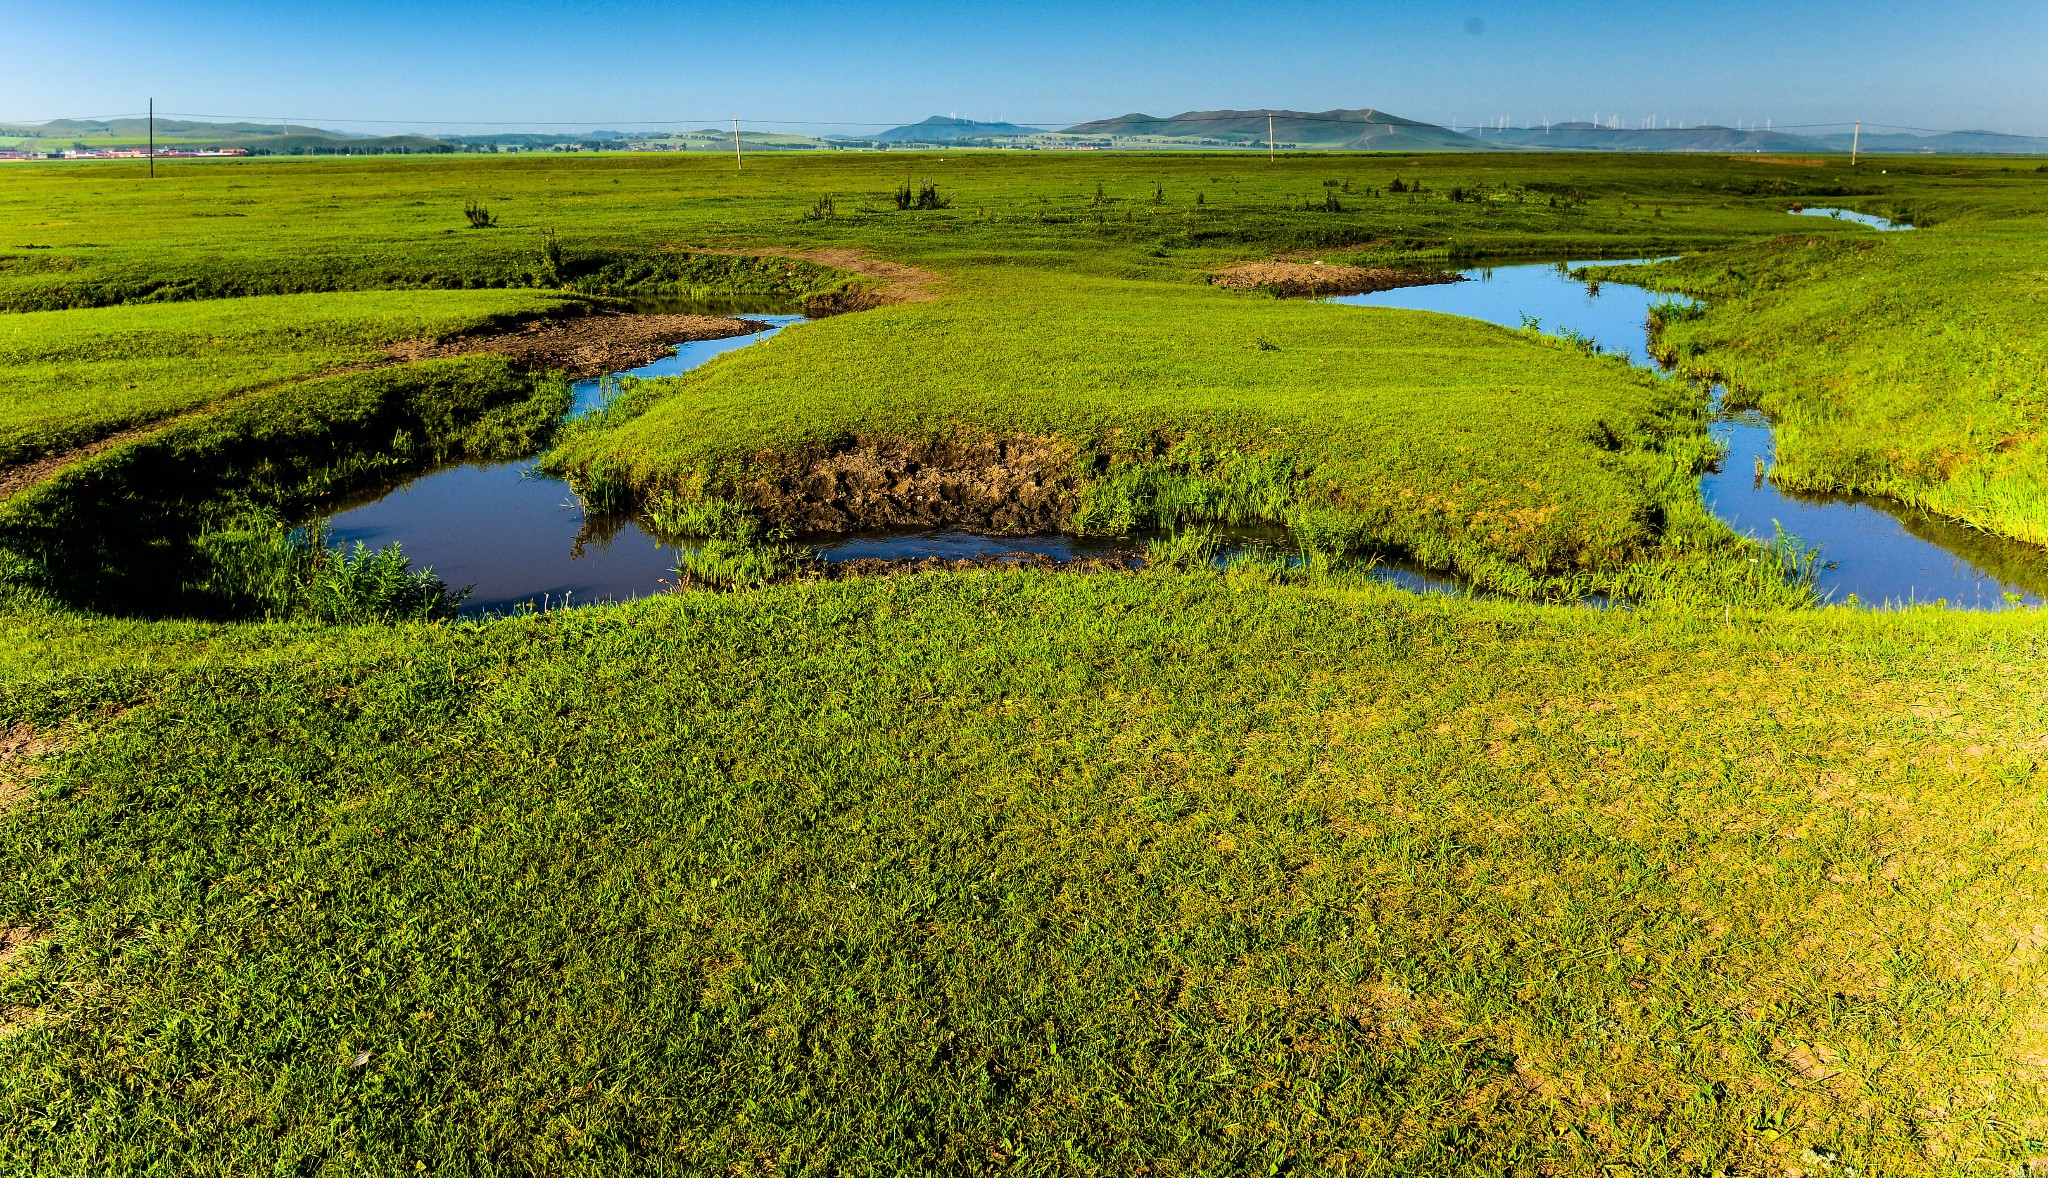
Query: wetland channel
column 520, row 539
column 1871, row 551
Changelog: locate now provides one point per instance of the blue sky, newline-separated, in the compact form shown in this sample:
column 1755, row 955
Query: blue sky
column 608, row 63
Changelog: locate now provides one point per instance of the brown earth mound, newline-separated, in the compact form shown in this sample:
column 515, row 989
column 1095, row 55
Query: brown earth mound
column 877, row 567
column 584, row 346
column 1013, row 486
column 1316, row 278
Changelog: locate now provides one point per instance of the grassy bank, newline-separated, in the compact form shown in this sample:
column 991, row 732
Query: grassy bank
column 126, row 530
column 73, row 377
column 1906, row 365
column 1025, row 872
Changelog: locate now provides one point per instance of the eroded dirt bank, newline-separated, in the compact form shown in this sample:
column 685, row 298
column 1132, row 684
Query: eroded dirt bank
column 1317, row 278
column 1012, row 486
column 1107, row 562
column 585, row 345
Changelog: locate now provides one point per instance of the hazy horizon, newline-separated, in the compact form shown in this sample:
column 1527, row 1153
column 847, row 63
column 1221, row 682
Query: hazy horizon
column 525, row 64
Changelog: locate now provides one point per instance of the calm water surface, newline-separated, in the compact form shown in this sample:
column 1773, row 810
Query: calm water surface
column 517, row 537
column 1871, row 219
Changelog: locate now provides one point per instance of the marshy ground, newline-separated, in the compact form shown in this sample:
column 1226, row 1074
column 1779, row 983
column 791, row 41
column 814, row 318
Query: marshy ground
column 998, row 870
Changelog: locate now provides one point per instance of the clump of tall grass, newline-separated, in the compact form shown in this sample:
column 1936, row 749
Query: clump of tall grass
column 479, row 216
column 1193, row 481
column 255, row 565
column 1667, row 311
column 823, row 210
column 732, row 549
column 925, row 196
column 1184, row 548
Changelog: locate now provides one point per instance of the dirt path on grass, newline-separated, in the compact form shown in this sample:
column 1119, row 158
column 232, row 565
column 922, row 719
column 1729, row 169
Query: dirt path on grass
column 579, row 347
column 1317, row 278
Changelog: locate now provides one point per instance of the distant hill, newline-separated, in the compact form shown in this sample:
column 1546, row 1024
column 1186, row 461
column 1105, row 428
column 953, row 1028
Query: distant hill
column 940, row 129
column 1947, row 143
column 255, row 138
column 1591, row 137
column 138, row 129
column 1730, row 140
column 1357, row 130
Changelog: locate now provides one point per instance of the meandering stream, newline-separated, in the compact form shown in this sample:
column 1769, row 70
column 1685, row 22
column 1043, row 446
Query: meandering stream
column 1873, row 552
column 518, row 538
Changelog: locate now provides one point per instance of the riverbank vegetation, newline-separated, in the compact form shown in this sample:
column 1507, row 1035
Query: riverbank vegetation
column 1266, row 868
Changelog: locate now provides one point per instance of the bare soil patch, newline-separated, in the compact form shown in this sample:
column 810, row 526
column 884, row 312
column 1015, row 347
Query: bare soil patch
column 583, row 346
column 994, row 486
column 19, row 746
column 1316, row 278
column 28, row 474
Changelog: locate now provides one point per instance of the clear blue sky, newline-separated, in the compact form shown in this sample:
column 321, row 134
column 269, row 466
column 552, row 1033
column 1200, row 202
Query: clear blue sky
column 1949, row 65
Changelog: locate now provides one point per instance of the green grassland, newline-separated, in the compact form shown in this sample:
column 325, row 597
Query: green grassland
column 76, row 376
column 1262, row 870
column 218, row 228
column 1017, row 873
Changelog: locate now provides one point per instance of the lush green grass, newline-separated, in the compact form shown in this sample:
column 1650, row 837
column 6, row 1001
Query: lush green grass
column 1029, row 873
column 75, row 376
column 211, row 228
column 1174, row 872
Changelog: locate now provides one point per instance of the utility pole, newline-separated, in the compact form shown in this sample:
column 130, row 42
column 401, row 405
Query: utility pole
column 1855, row 142
column 738, row 164
column 152, row 138
column 1271, row 151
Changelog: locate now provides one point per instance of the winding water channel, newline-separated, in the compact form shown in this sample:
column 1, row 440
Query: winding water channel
column 521, row 539
column 1872, row 552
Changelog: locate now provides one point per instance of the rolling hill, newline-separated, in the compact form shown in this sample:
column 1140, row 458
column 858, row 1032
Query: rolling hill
column 256, row 138
column 1591, row 137
column 1355, row 130
column 941, row 129
column 1711, row 138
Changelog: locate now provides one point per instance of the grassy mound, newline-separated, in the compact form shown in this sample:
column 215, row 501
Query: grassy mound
column 75, row 376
